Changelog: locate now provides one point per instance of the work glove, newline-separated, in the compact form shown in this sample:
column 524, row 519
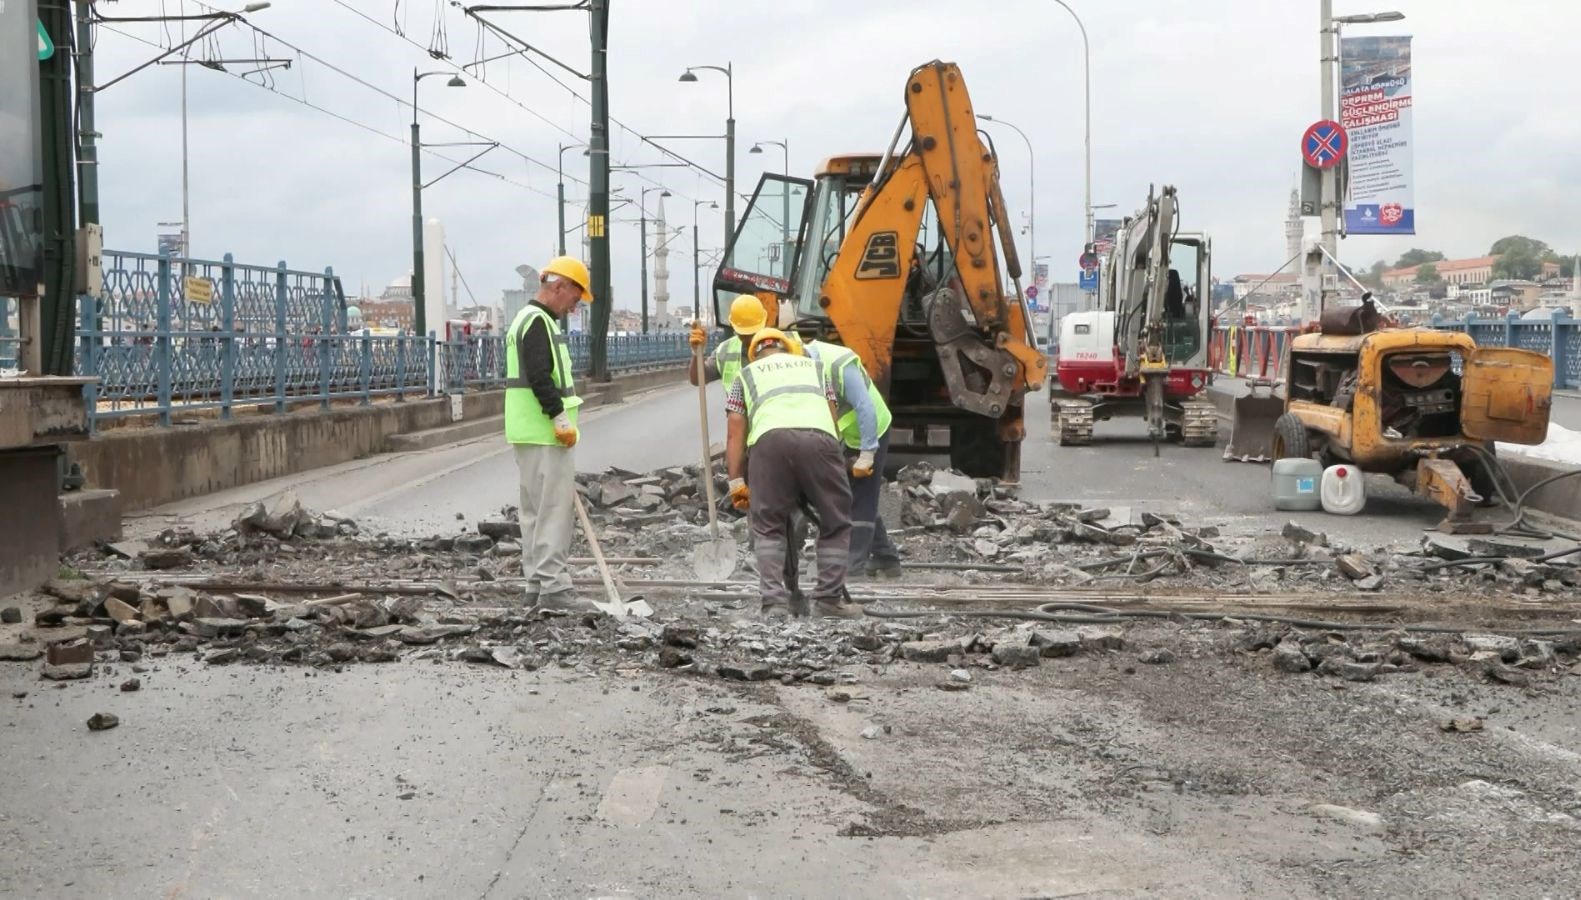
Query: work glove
column 862, row 466
column 740, row 494
column 564, row 431
column 698, row 337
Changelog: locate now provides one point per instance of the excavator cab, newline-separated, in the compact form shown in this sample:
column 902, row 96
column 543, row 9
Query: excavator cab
column 765, row 252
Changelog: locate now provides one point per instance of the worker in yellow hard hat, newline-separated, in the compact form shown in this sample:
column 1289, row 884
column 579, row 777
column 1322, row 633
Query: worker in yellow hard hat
column 540, row 424
column 783, row 410
column 747, row 317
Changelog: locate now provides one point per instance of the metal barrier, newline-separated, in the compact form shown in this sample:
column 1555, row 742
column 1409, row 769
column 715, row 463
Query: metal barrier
column 1250, row 351
column 170, row 335
column 1258, row 351
column 1559, row 337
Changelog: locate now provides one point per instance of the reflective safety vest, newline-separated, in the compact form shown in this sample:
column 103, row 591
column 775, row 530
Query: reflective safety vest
column 833, row 361
column 525, row 421
column 727, row 359
column 784, row 391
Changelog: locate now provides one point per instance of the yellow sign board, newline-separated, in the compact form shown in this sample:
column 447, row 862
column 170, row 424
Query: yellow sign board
column 198, row 290
column 595, row 226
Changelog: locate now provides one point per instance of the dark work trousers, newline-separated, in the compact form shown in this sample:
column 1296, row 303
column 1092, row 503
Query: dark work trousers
column 869, row 540
column 791, row 466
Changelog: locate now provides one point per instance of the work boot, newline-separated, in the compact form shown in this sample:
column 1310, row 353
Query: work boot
column 889, row 568
column 775, row 610
column 566, row 602
column 831, row 608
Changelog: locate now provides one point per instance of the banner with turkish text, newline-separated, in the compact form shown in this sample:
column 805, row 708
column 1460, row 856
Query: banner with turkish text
column 1375, row 108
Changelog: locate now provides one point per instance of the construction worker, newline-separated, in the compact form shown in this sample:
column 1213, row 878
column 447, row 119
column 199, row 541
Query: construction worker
column 863, row 419
column 540, row 424
column 783, row 411
column 747, row 316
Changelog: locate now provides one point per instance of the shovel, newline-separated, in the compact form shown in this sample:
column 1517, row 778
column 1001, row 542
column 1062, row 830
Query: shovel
column 713, row 559
column 613, row 605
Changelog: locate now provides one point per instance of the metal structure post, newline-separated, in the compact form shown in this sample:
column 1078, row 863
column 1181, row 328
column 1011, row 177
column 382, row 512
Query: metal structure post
column 690, row 75
column 1086, row 89
column 53, row 339
column 281, row 350
column 419, row 314
column 1328, row 50
column 162, row 348
column 598, row 191
column 326, row 339
column 643, row 225
column 228, row 338
column 87, row 137
column 560, row 172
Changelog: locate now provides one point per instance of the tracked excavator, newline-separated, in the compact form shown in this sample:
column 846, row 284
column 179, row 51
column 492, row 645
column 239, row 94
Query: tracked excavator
column 907, row 258
column 1144, row 351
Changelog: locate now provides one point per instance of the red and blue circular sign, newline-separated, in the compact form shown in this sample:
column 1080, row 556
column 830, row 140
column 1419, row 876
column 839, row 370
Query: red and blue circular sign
column 1324, row 144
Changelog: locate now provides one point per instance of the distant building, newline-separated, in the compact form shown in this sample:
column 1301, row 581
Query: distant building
column 1476, row 270
column 384, row 314
column 1280, row 284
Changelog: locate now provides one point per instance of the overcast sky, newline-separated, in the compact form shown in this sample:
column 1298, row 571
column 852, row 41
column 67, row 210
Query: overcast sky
column 1210, row 95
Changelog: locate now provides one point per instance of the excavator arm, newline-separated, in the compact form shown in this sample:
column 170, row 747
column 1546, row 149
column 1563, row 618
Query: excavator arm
column 980, row 332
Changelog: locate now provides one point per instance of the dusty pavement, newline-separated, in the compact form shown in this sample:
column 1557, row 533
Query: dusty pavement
column 301, row 709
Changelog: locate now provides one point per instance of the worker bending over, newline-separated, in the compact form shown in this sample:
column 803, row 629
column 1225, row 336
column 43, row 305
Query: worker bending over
column 747, row 316
column 863, row 420
column 783, row 411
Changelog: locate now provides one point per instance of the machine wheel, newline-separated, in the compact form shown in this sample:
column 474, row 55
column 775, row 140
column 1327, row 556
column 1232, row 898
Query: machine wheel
column 1290, row 438
column 975, row 450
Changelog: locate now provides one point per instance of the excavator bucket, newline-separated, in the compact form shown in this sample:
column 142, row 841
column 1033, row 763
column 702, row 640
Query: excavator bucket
column 1252, row 427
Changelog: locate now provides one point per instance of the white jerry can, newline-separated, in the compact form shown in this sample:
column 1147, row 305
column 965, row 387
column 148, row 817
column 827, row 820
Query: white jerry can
column 1343, row 491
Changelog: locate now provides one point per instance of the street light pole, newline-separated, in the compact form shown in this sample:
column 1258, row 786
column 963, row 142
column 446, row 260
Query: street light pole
column 643, row 206
column 560, row 171
column 419, row 314
column 730, row 141
column 1086, row 82
column 697, row 261
column 1032, row 203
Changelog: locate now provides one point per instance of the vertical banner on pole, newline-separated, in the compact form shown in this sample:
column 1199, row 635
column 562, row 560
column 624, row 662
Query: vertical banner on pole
column 1375, row 108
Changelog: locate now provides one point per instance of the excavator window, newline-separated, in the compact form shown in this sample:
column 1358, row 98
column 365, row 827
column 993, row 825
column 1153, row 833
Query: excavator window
column 763, row 253
column 1182, row 328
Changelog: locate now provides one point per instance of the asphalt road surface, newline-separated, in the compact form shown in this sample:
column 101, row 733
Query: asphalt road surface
column 423, row 492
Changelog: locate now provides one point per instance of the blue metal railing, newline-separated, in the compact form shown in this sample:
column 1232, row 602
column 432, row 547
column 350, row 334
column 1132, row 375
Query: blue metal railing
column 1559, row 337
column 170, row 335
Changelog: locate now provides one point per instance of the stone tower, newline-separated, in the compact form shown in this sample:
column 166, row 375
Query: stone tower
column 1295, row 229
column 661, row 268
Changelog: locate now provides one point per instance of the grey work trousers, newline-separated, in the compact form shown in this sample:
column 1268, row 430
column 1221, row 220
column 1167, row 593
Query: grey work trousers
column 791, row 465
column 548, row 480
column 868, row 537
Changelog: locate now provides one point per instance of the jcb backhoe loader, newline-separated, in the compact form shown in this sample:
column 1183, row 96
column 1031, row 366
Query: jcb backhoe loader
column 898, row 256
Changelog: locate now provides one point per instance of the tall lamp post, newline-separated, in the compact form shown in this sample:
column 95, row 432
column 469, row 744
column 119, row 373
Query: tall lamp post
column 690, row 75
column 1032, row 187
column 419, row 315
column 1086, row 88
column 643, row 206
column 697, row 261
column 785, row 254
column 560, row 171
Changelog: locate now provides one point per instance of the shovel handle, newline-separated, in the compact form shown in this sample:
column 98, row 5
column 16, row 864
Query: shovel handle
column 708, row 458
column 598, row 553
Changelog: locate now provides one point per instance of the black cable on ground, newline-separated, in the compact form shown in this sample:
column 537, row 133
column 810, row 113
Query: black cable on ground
column 1088, row 614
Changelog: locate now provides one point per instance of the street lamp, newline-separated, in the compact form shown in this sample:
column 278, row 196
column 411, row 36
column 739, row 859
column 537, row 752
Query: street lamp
column 1032, row 187
column 560, row 171
column 785, row 241
column 689, row 76
column 1328, row 59
column 1086, row 88
column 697, row 259
column 642, row 204
column 419, row 314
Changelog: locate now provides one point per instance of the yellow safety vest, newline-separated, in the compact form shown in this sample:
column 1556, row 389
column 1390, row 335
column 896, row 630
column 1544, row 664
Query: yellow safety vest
column 784, row 391
column 833, row 360
column 727, row 359
column 525, row 421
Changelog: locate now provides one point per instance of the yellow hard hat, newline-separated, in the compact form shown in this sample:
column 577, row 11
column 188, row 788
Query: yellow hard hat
column 747, row 315
column 766, row 335
column 574, row 269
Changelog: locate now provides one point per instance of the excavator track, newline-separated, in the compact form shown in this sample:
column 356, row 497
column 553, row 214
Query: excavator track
column 1199, row 423
column 1073, row 422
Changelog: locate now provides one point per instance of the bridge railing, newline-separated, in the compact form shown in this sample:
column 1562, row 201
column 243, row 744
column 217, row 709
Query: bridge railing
column 1258, row 351
column 170, row 335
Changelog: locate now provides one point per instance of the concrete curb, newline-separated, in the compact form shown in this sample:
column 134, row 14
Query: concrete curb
column 449, row 434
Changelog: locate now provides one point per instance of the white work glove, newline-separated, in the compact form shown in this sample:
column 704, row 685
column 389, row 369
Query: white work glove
column 564, row 431
column 862, row 466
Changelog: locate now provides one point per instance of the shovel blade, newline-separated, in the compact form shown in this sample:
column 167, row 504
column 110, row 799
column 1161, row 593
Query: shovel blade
column 714, row 560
